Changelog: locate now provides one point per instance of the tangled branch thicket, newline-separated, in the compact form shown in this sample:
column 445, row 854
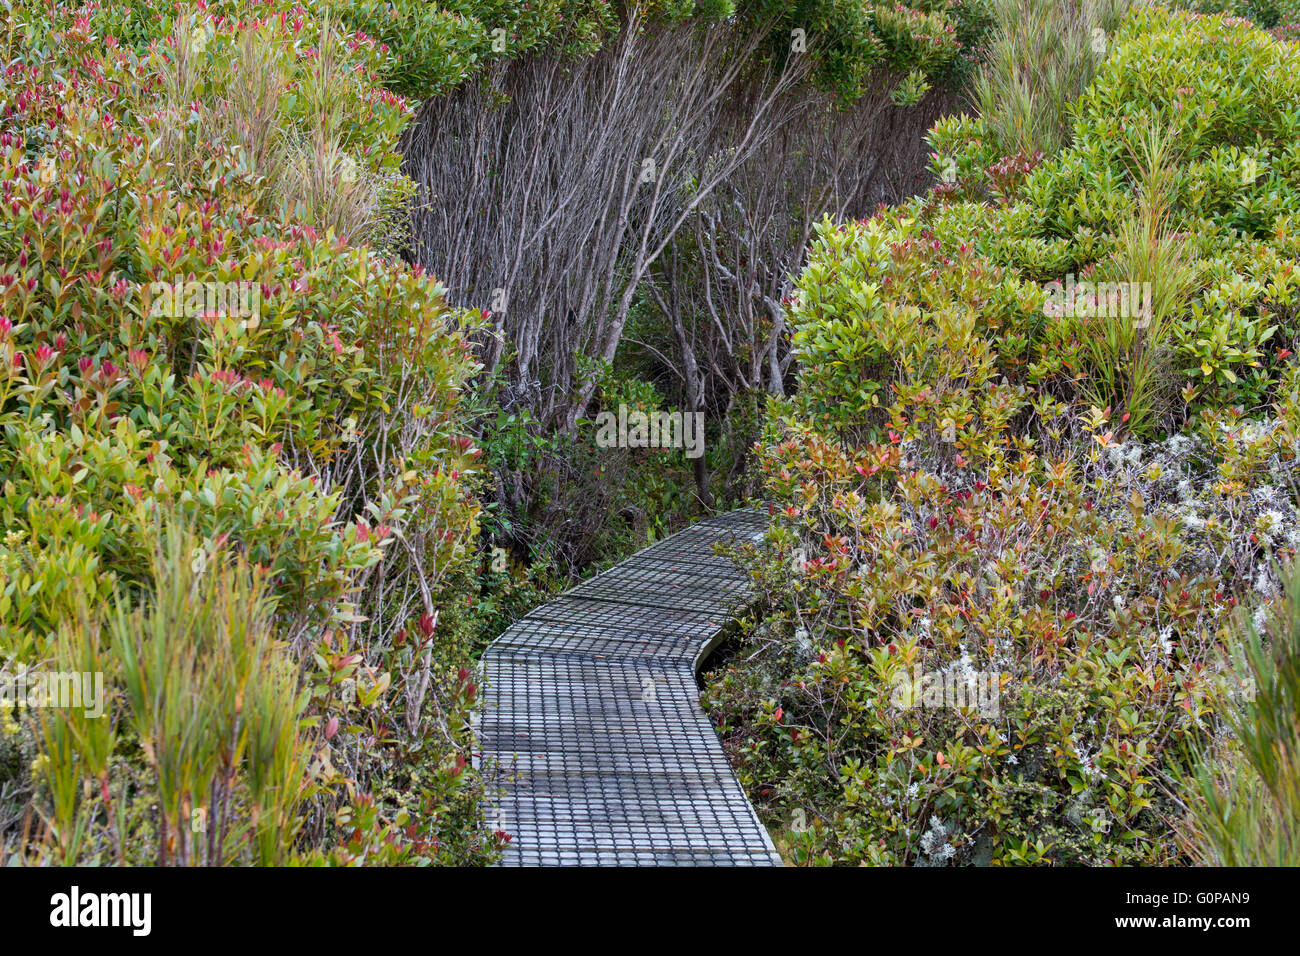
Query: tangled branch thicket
column 680, row 169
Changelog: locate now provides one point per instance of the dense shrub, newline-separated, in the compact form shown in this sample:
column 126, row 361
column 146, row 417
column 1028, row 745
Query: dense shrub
column 1228, row 185
column 1266, row 13
column 975, row 483
column 194, row 328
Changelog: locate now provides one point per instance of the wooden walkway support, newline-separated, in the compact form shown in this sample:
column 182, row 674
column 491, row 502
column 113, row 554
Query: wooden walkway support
column 592, row 729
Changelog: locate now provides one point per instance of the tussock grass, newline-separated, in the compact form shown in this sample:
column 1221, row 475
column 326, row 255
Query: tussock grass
column 1129, row 355
column 1043, row 55
column 1244, row 800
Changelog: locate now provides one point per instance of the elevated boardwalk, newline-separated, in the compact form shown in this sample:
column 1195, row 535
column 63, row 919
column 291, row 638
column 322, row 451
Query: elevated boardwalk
column 593, row 724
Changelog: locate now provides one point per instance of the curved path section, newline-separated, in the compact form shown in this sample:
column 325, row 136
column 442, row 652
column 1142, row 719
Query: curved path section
column 592, row 720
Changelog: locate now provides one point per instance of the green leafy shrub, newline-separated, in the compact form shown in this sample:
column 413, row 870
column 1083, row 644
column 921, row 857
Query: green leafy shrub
column 849, row 42
column 1266, row 13
column 1229, row 199
column 187, row 332
column 434, row 49
column 1085, row 587
column 886, row 311
column 976, row 488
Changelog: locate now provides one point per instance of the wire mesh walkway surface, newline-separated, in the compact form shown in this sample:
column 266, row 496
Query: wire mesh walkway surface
column 592, row 719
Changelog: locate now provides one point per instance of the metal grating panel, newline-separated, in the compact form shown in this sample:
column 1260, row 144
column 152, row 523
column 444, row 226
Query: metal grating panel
column 592, row 730
column 621, row 614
